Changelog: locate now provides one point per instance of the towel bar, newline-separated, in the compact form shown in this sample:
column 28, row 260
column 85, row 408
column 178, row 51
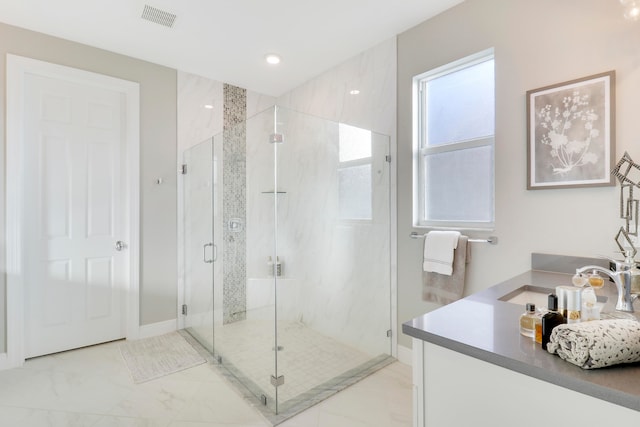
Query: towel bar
column 492, row 240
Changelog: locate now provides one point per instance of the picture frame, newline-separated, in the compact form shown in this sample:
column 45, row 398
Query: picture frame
column 571, row 133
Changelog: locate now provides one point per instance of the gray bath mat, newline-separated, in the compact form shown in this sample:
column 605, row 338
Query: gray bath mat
column 155, row 357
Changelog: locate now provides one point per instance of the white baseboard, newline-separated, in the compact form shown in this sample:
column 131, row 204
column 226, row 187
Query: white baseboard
column 4, row 362
column 159, row 328
column 405, row 355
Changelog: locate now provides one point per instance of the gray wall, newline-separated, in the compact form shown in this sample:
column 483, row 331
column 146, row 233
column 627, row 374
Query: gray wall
column 157, row 157
column 537, row 43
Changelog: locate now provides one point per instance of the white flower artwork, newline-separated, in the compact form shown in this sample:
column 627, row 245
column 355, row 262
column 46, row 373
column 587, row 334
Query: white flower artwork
column 567, row 153
column 569, row 139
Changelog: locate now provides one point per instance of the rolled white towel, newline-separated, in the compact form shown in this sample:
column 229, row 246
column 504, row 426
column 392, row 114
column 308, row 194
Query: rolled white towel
column 598, row 343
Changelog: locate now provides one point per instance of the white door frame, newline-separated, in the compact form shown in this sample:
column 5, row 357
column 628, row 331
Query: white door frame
column 17, row 68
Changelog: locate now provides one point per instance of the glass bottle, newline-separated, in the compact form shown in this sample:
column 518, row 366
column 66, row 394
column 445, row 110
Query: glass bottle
column 538, row 333
column 528, row 321
column 574, row 306
column 269, row 267
column 590, row 309
column 595, row 280
column 551, row 319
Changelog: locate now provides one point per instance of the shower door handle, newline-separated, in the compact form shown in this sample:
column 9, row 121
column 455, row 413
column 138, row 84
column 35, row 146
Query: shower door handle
column 204, row 253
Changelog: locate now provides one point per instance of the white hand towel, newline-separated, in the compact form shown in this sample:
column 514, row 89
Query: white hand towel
column 438, row 251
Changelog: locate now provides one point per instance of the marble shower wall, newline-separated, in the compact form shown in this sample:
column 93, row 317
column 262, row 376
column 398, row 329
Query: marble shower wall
column 196, row 122
column 336, row 271
column 372, row 73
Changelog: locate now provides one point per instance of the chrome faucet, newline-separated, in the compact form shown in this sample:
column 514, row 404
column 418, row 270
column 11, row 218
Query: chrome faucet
column 622, row 280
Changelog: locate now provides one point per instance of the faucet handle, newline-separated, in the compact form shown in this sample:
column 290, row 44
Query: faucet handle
column 616, row 262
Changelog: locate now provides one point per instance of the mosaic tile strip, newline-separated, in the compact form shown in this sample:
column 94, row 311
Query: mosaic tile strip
column 234, row 206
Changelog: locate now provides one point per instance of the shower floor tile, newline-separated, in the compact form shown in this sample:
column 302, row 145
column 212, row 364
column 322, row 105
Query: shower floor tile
column 307, row 359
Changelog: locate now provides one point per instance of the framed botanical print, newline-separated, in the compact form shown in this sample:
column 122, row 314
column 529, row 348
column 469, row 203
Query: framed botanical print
column 571, row 133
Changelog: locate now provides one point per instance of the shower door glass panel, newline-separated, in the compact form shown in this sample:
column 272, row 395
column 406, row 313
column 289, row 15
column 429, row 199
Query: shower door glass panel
column 199, row 247
column 245, row 339
column 333, row 244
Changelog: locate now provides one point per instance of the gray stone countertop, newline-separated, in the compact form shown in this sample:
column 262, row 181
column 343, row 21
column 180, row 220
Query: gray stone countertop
column 484, row 327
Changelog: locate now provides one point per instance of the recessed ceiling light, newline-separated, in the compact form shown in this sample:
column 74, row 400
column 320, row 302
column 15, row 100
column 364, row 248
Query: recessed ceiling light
column 631, row 9
column 354, row 92
column 272, row 59
column 208, row 106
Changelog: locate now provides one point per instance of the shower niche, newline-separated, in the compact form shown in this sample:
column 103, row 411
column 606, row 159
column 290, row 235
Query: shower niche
column 287, row 255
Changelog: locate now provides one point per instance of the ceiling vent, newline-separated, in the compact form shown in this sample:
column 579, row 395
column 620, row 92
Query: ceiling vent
column 158, row 16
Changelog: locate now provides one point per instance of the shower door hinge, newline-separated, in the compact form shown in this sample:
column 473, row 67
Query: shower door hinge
column 276, row 138
column 184, row 309
column 276, row 382
column 183, row 169
column 389, row 333
column 387, row 158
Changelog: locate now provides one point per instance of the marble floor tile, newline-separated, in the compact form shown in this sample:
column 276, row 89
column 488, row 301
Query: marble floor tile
column 28, row 417
column 383, row 399
column 113, row 421
column 92, row 387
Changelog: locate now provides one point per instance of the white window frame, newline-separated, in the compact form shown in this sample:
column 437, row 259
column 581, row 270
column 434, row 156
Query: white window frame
column 420, row 148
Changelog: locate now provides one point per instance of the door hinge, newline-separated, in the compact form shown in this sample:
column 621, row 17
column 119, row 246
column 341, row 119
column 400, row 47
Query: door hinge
column 387, row 158
column 277, row 381
column 183, row 169
column 389, row 333
column 276, row 138
column 184, row 309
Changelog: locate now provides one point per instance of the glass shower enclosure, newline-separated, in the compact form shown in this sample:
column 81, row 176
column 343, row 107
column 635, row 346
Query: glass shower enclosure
column 287, row 255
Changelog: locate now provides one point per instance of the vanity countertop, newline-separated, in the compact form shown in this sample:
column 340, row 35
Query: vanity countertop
column 484, row 327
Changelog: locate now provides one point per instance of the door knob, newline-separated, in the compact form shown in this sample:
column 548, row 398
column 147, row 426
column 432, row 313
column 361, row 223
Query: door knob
column 120, row 245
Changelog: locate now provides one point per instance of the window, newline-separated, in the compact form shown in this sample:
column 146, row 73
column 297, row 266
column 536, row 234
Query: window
column 454, row 117
column 354, row 173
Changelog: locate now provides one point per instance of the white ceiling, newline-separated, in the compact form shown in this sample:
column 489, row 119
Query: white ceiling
column 226, row 40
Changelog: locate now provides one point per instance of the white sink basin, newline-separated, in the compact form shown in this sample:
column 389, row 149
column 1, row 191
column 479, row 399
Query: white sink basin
column 528, row 293
column 536, row 295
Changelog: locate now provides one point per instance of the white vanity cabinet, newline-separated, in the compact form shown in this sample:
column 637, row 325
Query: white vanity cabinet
column 471, row 367
column 451, row 389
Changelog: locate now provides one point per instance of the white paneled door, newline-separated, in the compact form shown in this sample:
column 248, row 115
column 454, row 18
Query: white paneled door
column 75, row 214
